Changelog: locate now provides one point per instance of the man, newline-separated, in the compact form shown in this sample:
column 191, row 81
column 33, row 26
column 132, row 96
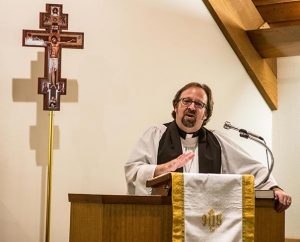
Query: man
column 184, row 145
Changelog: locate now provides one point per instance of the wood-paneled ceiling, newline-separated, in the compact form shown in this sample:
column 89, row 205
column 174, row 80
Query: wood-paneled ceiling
column 280, row 35
column 259, row 31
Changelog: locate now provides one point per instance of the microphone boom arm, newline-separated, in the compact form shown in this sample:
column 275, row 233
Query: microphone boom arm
column 248, row 135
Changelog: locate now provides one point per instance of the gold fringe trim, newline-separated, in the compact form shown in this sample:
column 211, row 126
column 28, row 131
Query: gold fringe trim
column 178, row 207
column 248, row 208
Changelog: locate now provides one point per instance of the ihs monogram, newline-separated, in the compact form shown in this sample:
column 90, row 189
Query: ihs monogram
column 212, row 220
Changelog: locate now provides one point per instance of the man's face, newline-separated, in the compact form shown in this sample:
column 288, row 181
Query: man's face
column 190, row 118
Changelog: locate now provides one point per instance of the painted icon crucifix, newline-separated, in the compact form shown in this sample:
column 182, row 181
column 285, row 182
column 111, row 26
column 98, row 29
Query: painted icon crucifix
column 53, row 39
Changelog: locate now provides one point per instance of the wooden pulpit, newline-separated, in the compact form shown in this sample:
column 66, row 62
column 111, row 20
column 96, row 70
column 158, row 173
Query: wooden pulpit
column 126, row 218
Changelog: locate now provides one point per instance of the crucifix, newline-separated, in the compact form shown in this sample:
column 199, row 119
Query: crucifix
column 53, row 39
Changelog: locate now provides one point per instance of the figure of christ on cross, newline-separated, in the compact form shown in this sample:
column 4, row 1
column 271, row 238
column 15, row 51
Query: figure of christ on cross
column 53, row 39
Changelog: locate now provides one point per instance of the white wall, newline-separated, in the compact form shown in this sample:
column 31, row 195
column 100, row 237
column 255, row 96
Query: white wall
column 137, row 54
column 286, row 143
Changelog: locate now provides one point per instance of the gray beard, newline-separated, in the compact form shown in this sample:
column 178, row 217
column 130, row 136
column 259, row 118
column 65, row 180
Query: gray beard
column 189, row 123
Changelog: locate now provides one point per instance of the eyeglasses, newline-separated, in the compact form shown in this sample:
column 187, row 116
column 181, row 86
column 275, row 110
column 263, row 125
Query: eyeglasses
column 187, row 102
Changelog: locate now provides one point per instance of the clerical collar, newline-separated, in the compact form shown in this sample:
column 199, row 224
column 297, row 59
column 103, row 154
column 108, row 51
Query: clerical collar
column 185, row 135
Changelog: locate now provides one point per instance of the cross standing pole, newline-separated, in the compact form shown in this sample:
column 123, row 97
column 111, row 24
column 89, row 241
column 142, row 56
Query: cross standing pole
column 53, row 39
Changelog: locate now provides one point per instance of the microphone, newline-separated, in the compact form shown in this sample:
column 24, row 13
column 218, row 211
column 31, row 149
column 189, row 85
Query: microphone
column 243, row 132
column 246, row 134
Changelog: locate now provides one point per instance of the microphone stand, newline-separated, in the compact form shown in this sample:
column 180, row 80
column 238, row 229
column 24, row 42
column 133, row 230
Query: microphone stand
column 257, row 140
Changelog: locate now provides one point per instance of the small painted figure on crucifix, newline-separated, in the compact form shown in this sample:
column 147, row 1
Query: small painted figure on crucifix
column 53, row 54
column 53, row 39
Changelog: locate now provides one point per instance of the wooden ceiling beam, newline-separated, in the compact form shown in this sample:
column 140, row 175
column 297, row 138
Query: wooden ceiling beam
column 267, row 2
column 276, row 42
column 235, row 18
column 280, row 12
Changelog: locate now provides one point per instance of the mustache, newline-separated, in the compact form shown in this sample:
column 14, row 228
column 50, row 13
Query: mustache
column 190, row 112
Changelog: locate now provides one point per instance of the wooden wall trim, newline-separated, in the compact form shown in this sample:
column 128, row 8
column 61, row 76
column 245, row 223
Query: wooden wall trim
column 234, row 18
